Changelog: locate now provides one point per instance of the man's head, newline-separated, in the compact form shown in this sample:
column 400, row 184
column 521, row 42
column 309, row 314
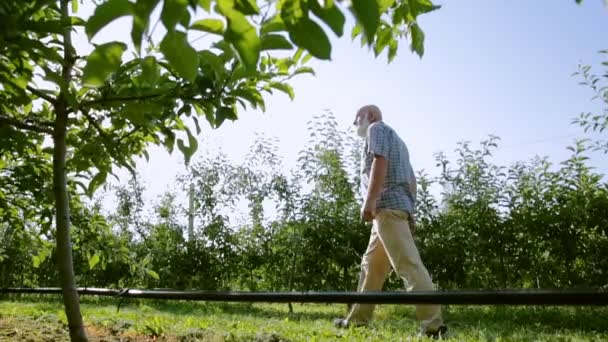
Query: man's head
column 366, row 115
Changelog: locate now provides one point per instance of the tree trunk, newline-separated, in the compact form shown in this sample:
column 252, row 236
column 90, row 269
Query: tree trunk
column 191, row 213
column 62, row 208
column 64, row 243
column 291, row 274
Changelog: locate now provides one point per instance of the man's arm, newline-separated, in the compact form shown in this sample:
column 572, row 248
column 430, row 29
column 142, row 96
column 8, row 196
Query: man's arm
column 376, row 185
column 413, row 187
column 413, row 190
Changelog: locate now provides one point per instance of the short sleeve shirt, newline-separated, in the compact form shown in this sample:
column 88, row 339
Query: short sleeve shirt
column 382, row 140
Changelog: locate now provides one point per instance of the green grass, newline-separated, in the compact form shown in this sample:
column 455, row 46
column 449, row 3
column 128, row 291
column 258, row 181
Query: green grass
column 42, row 319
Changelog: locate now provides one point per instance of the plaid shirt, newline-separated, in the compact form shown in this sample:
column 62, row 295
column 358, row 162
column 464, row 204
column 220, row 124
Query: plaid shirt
column 383, row 140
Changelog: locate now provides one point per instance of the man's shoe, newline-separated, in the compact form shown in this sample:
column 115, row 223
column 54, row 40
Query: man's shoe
column 340, row 323
column 440, row 333
column 343, row 323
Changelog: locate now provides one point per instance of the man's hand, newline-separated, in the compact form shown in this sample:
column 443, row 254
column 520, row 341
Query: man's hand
column 376, row 185
column 368, row 211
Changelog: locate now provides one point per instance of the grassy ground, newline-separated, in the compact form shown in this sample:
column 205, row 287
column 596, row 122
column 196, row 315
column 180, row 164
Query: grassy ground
column 42, row 319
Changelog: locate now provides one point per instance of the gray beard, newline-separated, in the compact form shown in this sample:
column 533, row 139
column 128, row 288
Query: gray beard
column 362, row 130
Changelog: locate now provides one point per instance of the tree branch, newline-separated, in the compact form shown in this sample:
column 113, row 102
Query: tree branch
column 198, row 38
column 41, row 95
column 28, row 126
column 36, row 92
column 95, row 124
column 135, row 130
column 119, row 99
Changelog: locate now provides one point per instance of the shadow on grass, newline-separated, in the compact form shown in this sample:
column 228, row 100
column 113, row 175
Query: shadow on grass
column 507, row 320
column 274, row 311
column 192, row 308
column 491, row 318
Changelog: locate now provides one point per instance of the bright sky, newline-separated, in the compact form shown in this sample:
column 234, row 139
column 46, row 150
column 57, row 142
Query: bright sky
column 490, row 67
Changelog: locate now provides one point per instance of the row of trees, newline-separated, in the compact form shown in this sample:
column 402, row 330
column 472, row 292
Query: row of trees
column 528, row 225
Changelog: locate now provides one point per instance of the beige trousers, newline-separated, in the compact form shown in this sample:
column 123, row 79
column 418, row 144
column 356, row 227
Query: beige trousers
column 391, row 244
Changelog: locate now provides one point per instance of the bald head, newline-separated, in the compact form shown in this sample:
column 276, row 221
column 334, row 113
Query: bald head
column 366, row 115
column 371, row 112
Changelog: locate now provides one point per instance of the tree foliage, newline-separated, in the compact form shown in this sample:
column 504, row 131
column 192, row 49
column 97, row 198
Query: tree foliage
column 595, row 122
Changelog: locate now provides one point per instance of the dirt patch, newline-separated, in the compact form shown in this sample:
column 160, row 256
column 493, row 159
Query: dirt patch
column 32, row 330
column 49, row 330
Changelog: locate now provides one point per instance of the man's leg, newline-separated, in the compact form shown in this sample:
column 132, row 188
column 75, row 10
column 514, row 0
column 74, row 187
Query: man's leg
column 375, row 267
column 395, row 234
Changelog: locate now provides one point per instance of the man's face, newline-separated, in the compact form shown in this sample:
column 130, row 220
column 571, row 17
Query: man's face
column 362, row 123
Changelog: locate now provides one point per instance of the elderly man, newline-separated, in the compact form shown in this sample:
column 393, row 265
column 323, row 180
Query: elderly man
column 389, row 189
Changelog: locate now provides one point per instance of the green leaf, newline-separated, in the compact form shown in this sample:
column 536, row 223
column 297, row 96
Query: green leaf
column 355, row 31
column 185, row 21
column 153, row 274
column 141, row 18
column 196, row 124
column 241, row 72
column 306, row 58
column 134, row 113
column 74, row 6
column 93, row 261
column 247, row 7
column 252, row 96
column 242, row 35
column 205, row 4
column 298, row 55
column 77, row 21
column 392, row 50
column 106, row 13
column 40, row 258
column 169, row 140
column 181, row 56
column 418, row 7
column 384, row 38
column 309, row 35
column 102, row 62
column 150, row 72
column 384, row 5
column 98, row 180
column 209, row 25
column 224, row 113
column 47, row 52
column 275, row 42
column 27, row 109
column 284, row 87
column 212, row 60
column 293, row 11
column 274, row 24
column 331, row 15
column 36, row 261
column 304, row 70
column 368, row 15
column 188, row 151
column 173, row 12
column 417, row 41
column 44, row 26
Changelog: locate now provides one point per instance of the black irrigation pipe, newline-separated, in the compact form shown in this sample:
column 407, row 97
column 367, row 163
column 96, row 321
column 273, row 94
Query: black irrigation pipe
column 508, row 297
